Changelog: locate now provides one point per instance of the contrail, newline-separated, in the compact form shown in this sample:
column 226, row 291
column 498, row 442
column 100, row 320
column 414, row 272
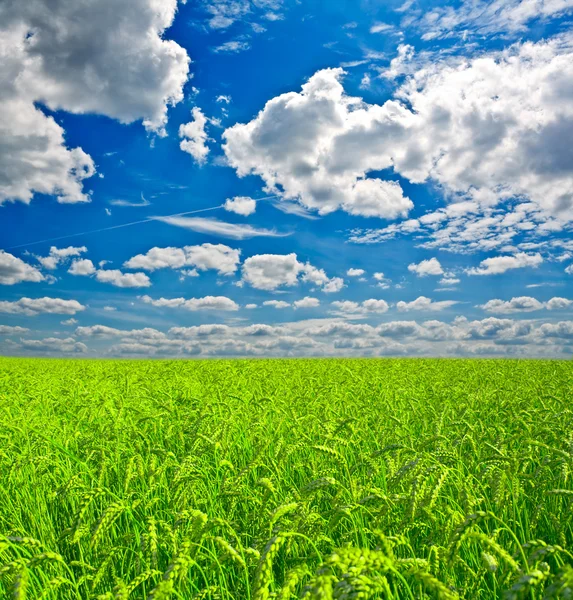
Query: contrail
column 149, row 220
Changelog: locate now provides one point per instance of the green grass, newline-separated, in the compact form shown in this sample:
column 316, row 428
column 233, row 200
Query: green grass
column 285, row 479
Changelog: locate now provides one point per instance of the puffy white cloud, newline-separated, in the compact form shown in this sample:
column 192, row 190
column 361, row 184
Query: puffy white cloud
column 9, row 330
column 338, row 337
column 306, row 302
column 367, row 306
column 426, row 304
column 271, row 271
column 58, row 256
column 448, row 281
column 81, row 57
column 500, row 264
column 334, row 285
column 294, row 143
column 194, row 137
column 524, row 304
column 207, row 303
column 53, row 345
column 36, row 306
column 218, row 257
column 558, row 303
column 82, row 266
column 276, row 303
column 123, row 280
column 520, row 304
column 431, row 266
column 355, row 272
column 70, row 322
column 250, row 306
column 14, row 270
column 242, row 205
column 486, row 128
column 219, row 228
column 569, row 270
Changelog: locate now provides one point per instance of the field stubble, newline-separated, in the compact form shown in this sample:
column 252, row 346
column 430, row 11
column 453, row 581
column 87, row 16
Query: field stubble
column 315, row 479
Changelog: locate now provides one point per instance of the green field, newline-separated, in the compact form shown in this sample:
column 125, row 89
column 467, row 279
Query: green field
column 256, row 479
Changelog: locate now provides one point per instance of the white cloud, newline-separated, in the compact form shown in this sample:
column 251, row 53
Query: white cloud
column 482, row 17
column 500, row 264
column 219, row 228
column 194, row 304
column 83, row 266
column 431, row 266
column 53, row 345
column 558, row 303
column 270, row 271
column 70, row 322
column 105, row 58
column 14, row 270
column 515, row 305
column 35, row 306
column 233, row 46
column 218, row 257
column 334, row 285
column 524, row 304
column 250, row 306
column 355, row 272
column 426, row 304
column 448, row 281
column 241, row 205
column 194, row 137
column 58, row 256
column 486, row 129
column 9, row 330
column 306, row 302
column 223, row 98
column 367, row 306
column 123, row 280
column 294, row 143
column 569, row 270
column 276, row 303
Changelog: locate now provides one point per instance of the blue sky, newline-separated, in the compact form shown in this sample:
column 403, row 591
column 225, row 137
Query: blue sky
column 286, row 178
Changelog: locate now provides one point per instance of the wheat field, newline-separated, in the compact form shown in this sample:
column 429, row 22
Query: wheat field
column 259, row 479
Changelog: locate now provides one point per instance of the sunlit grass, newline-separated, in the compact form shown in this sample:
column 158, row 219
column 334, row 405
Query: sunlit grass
column 286, row 479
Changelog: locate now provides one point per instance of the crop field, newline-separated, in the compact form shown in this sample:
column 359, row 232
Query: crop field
column 259, row 479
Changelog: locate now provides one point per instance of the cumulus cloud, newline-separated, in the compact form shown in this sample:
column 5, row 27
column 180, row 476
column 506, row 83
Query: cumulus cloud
column 360, row 308
column 218, row 257
column 486, row 129
column 54, row 345
column 431, row 266
column 80, row 57
column 306, row 302
column 219, row 228
column 35, row 306
column 123, row 280
column 276, row 303
column 9, row 330
column 271, row 271
column 82, row 266
column 194, row 304
column 524, row 304
column 339, row 337
column 194, row 137
column 242, row 205
column 14, row 270
column 355, row 272
column 293, row 144
column 500, row 264
column 423, row 303
column 57, row 256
